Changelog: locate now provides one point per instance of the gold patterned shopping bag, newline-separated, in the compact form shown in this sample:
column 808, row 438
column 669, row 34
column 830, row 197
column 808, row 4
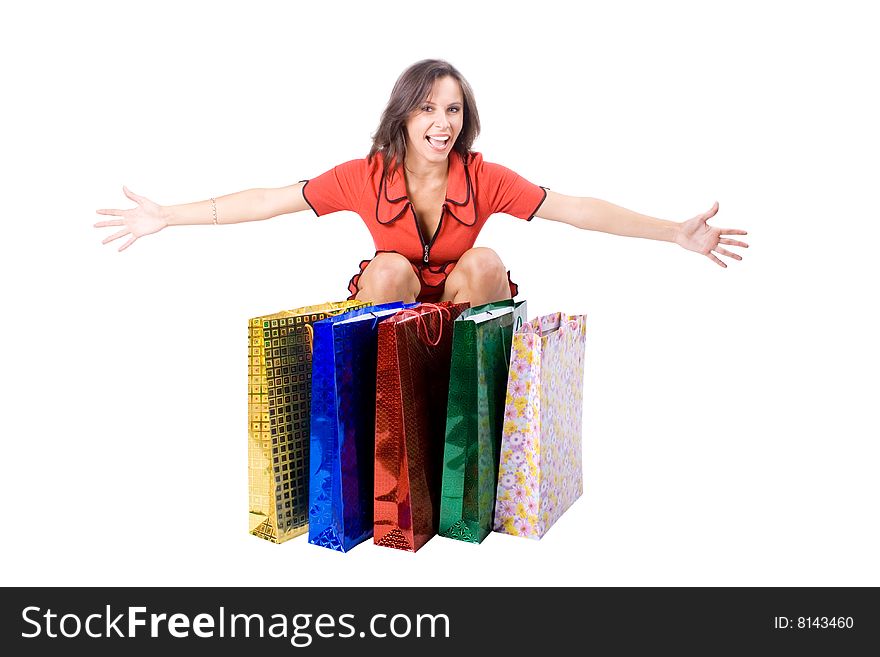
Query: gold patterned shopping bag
column 279, row 394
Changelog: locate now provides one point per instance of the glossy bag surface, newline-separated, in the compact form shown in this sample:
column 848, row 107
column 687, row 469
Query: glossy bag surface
column 279, row 390
column 412, row 385
column 343, row 422
column 475, row 410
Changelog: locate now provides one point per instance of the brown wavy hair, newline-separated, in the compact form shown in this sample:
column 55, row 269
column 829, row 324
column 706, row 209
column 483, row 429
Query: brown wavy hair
column 410, row 91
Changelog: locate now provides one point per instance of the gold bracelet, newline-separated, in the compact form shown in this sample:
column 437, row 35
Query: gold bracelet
column 214, row 208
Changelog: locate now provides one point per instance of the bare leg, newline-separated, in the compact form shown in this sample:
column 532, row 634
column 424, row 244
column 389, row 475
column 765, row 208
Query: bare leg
column 389, row 277
column 478, row 277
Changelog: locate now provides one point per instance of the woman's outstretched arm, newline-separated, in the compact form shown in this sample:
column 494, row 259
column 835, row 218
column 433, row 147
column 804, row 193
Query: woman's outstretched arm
column 595, row 214
column 250, row 205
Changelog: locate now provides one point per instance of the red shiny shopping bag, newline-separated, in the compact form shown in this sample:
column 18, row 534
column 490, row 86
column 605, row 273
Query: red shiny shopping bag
column 412, row 386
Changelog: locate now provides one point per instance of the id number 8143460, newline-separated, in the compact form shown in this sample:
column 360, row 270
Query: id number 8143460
column 813, row 622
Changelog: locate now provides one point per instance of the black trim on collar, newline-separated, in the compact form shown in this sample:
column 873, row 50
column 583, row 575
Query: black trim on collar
column 393, row 200
column 468, row 187
column 470, row 197
column 383, row 191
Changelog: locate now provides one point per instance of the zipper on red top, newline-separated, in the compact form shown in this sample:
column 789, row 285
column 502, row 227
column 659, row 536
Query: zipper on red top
column 427, row 245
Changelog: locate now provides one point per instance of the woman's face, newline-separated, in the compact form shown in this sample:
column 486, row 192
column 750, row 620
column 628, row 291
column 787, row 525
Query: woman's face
column 433, row 127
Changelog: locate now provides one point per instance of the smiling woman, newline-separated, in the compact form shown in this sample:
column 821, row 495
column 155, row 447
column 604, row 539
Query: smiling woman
column 424, row 195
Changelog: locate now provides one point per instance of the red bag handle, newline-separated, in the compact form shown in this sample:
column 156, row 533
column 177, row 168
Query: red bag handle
column 420, row 321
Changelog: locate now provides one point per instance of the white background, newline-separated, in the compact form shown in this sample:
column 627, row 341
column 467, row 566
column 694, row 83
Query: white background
column 729, row 436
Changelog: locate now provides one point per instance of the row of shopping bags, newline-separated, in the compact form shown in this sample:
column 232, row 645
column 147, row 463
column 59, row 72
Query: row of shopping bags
column 402, row 421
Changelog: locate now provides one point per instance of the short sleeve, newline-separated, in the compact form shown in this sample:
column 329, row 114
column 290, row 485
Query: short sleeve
column 507, row 192
column 337, row 189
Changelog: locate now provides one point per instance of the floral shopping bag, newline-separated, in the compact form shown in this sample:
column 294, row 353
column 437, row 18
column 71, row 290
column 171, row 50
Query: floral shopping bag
column 540, row 472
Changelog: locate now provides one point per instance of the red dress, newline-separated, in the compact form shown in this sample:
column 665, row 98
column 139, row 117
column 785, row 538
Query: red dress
column 475, row 190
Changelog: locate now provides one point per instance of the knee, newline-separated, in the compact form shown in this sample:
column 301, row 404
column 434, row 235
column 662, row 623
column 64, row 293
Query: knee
column 483, row 267
column 389, row 277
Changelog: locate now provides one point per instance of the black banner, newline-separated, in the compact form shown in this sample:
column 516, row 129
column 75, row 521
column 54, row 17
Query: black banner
column 433, row 620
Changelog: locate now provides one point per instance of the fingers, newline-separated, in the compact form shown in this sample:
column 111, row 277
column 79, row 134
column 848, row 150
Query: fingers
column 116, row 236
column 727, row 253
column 716, row 260
column 733, row 243
column 733, row 231
column 713, row 211
column 128, row 243
column 104, row 224
column 130, row 194
column 118, row 213
column 703, row 218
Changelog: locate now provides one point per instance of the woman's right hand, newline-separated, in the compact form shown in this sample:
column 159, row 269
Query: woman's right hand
column 145, row 219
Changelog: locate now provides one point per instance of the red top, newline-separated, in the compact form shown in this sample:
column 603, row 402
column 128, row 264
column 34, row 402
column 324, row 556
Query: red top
column 475, row 190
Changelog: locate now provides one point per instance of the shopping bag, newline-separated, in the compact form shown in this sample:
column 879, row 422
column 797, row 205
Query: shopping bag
column 279, row 384
column 412, row 384
column 540, row 473
column 343, row 424
column 477, row 386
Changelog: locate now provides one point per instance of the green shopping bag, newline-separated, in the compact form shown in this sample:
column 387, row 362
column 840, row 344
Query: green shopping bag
column 481, row 341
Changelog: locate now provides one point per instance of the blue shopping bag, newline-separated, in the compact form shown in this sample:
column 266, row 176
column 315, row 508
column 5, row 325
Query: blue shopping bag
column 343, row 423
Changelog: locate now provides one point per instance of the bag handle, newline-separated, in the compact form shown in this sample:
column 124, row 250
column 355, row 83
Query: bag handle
column 332, row 312
column 420, row 320
column 311, row 336
column 570, row 322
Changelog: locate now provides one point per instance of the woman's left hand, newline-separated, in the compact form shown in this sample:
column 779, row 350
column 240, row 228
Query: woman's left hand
column 696, row 235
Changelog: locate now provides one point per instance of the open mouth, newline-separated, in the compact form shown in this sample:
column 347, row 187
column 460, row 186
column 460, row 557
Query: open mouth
column 438, row 142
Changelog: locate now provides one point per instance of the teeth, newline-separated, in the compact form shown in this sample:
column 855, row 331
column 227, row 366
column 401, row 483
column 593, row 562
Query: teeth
column 438, row 142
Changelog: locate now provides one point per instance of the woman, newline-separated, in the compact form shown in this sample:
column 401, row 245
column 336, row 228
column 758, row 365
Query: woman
column 424, row 195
